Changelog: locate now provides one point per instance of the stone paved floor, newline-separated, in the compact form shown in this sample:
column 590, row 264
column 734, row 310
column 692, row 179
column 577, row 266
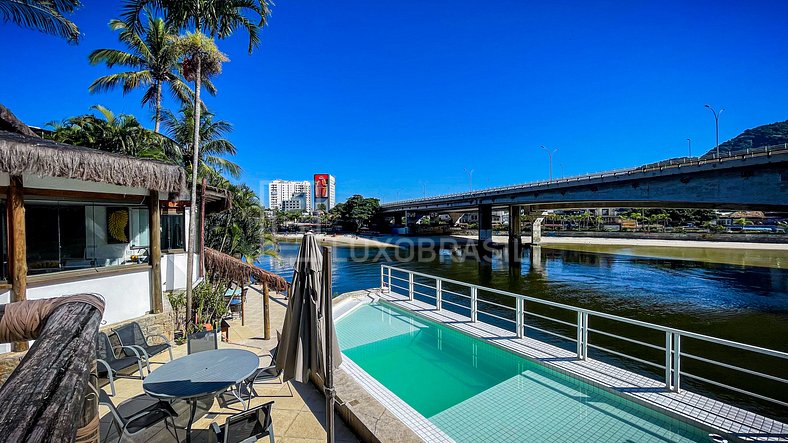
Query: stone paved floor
column 298, row 412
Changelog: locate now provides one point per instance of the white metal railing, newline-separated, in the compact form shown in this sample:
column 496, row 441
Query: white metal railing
column 658, row 166
column 403, row 282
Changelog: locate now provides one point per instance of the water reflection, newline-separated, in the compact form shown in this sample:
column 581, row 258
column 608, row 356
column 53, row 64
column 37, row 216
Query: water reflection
column 740, row 302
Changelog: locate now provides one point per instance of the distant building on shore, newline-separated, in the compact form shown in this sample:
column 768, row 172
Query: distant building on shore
column 325, row 192
column 295, row 193
column 298, row 202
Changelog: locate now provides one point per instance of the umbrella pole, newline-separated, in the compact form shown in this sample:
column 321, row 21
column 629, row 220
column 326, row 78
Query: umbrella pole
column 328, row 383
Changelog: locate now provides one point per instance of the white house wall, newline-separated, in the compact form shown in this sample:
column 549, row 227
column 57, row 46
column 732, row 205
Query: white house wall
column 173, row 271
column 126, row 295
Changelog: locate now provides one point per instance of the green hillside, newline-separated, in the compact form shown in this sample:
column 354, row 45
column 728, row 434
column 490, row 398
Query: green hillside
column 773, row 134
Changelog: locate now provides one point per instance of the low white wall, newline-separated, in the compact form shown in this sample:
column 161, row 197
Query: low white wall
column 173, row 271
column 5, row 297
column 127, row 295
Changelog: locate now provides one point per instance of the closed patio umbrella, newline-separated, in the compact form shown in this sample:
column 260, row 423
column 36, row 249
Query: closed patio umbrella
column 303, row 345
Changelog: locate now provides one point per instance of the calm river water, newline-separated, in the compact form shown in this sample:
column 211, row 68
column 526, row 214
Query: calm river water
column 732, row 294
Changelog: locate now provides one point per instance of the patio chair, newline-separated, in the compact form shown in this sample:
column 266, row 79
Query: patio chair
column 202, row 341
column 108, row 364
column 245, row 389
column 261, row 376
column 130, row 335
column 247, row 426
column 131, row 424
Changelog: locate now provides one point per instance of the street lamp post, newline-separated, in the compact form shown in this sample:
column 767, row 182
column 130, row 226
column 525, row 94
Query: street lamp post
column 716, row 126
column 550, row 159
column 689, row 146
column 470, row 179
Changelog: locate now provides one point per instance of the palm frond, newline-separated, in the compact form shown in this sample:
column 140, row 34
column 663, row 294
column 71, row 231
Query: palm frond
column 41, row 15
column 112, row 57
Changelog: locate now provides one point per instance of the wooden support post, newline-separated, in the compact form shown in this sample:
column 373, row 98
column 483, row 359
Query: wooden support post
column 46, row 397
column 154, row 251
column 243, row 302
column 17, row 246
column 266, row 313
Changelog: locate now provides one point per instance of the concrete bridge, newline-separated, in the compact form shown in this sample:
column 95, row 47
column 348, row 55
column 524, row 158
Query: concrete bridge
column 755, row 179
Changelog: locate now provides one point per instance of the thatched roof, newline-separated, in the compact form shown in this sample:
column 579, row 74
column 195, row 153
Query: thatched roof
column 9, row 122
column 25, row 154
column 227, row 267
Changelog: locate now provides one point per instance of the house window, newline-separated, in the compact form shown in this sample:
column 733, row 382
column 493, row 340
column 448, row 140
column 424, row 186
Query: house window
column 63, row 236
column 173, row 231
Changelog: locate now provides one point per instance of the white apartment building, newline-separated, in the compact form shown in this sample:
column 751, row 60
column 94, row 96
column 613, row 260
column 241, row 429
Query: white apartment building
column 281, row 190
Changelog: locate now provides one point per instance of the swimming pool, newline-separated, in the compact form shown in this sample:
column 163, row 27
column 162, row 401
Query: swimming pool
column 474, row 391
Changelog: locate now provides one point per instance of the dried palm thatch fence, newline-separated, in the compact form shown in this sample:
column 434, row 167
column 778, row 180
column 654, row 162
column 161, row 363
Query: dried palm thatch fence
column 224, row 267
column 46, row 397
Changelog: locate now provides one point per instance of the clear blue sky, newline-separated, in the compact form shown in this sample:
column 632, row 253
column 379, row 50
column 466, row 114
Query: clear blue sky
column 391, row 97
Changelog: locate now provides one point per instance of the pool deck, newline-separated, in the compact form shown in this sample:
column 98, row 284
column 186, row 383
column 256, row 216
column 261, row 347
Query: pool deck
column 692, row 408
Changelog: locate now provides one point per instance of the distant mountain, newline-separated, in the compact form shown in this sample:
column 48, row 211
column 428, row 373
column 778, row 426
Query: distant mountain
column 773, row 134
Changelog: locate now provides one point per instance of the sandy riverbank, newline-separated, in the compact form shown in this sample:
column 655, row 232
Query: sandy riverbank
column 338, row 240
column 549, row 241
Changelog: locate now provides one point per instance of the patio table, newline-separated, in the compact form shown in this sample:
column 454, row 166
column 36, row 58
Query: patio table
column 198, row 375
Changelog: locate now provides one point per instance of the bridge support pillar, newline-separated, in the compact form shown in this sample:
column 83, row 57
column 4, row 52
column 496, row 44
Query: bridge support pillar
column 536, row 258
column 485, row 233
column 515, row 236
column 536, row 233
column 485, row 223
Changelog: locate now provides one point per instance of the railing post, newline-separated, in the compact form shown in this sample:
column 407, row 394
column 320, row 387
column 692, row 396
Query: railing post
column 677, row 362
column 388, row 274
column 519, row 313
column 668, row 362
column 474, row 298
column 410, row 286
column 585, row 335
column 382, row 283
column 582, row 335
column 438, row 294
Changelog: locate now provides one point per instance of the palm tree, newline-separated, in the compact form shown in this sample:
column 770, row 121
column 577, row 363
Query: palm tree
column 219, row 19
column 239, row 231
column 154, row 61
column 46, row 16
column 213, row 143
column 122, row 134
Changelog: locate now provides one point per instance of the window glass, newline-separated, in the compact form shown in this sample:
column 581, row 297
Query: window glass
column 41, row 233
column 64, row 236
column 172, row 231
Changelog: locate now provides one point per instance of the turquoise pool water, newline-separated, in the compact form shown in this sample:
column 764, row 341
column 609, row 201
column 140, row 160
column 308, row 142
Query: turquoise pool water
column 474, row 391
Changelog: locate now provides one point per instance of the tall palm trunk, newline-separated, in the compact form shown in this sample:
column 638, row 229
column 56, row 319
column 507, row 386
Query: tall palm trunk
column 158, row 106
column 193, row 199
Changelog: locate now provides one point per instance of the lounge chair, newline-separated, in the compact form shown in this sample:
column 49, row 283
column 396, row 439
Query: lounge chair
column 130, row 425
column 109, row 365
column 250, row 425
column 232, row 297
column 131, row 335
column 202, row 341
